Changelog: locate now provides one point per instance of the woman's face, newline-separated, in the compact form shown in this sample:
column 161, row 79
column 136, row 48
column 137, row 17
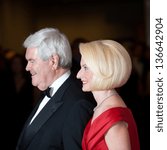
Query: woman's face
column 41, row 71
column 86, row 75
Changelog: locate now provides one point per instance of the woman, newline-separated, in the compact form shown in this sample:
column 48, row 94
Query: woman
column 105, row 66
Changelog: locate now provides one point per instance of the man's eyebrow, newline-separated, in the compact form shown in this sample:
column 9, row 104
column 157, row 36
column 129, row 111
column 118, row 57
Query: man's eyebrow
column 30, row 59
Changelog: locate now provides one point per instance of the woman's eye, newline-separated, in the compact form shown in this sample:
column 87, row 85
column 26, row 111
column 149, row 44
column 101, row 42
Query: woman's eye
column 85, row 67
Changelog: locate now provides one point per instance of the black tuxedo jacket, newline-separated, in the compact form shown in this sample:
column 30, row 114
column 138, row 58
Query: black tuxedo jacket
column 60, row 124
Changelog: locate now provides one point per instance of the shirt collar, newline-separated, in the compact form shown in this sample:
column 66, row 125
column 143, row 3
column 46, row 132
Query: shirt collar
column 57, row 83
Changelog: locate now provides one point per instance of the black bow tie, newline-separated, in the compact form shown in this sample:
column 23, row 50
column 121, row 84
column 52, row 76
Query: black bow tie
column 48, row 92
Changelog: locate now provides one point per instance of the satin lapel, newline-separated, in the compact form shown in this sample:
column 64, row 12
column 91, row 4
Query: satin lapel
column 40, row 120
column 54, row 103
column 23, row 135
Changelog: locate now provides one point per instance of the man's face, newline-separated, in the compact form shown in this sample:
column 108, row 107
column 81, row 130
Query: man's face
column 39, row 69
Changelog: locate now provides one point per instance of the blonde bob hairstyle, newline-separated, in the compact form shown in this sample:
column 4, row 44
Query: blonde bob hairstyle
column 109, row 61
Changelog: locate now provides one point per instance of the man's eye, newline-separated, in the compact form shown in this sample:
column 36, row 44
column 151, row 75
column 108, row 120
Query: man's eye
column 31, row 61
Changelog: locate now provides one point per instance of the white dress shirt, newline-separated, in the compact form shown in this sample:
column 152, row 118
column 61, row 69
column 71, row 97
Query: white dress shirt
column 55, row 86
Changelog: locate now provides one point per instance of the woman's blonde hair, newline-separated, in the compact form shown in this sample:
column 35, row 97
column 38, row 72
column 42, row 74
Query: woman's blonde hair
column 109, row 61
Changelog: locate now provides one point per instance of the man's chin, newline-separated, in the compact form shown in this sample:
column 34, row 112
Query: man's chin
column 34, row 84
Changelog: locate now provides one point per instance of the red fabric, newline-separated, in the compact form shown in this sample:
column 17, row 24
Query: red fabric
column 93, row 138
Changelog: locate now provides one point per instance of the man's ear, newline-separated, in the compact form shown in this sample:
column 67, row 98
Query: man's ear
column 55, row 62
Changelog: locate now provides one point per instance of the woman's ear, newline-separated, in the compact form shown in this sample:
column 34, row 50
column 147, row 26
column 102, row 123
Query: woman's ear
column 55, row 62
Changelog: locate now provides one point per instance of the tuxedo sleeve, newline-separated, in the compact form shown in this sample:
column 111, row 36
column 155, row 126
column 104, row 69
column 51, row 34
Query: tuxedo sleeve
column 75, row 124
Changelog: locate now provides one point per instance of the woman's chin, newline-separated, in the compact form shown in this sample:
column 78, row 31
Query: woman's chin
column 84, row 89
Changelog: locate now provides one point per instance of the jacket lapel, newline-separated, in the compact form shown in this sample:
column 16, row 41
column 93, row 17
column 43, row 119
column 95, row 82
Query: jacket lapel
column 53, row 104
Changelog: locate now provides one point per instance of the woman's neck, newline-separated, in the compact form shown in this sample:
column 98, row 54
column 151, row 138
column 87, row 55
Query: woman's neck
column 100, row 96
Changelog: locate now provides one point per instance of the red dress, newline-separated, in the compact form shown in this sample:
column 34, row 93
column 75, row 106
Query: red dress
column 93, row 138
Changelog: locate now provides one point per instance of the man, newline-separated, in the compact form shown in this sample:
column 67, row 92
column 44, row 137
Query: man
column 58, row 120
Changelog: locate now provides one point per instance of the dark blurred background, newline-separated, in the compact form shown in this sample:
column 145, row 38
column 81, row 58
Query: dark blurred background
column 126, row 21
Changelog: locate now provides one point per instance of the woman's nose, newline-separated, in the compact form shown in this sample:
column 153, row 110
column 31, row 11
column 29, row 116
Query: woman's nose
column 79, row 74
